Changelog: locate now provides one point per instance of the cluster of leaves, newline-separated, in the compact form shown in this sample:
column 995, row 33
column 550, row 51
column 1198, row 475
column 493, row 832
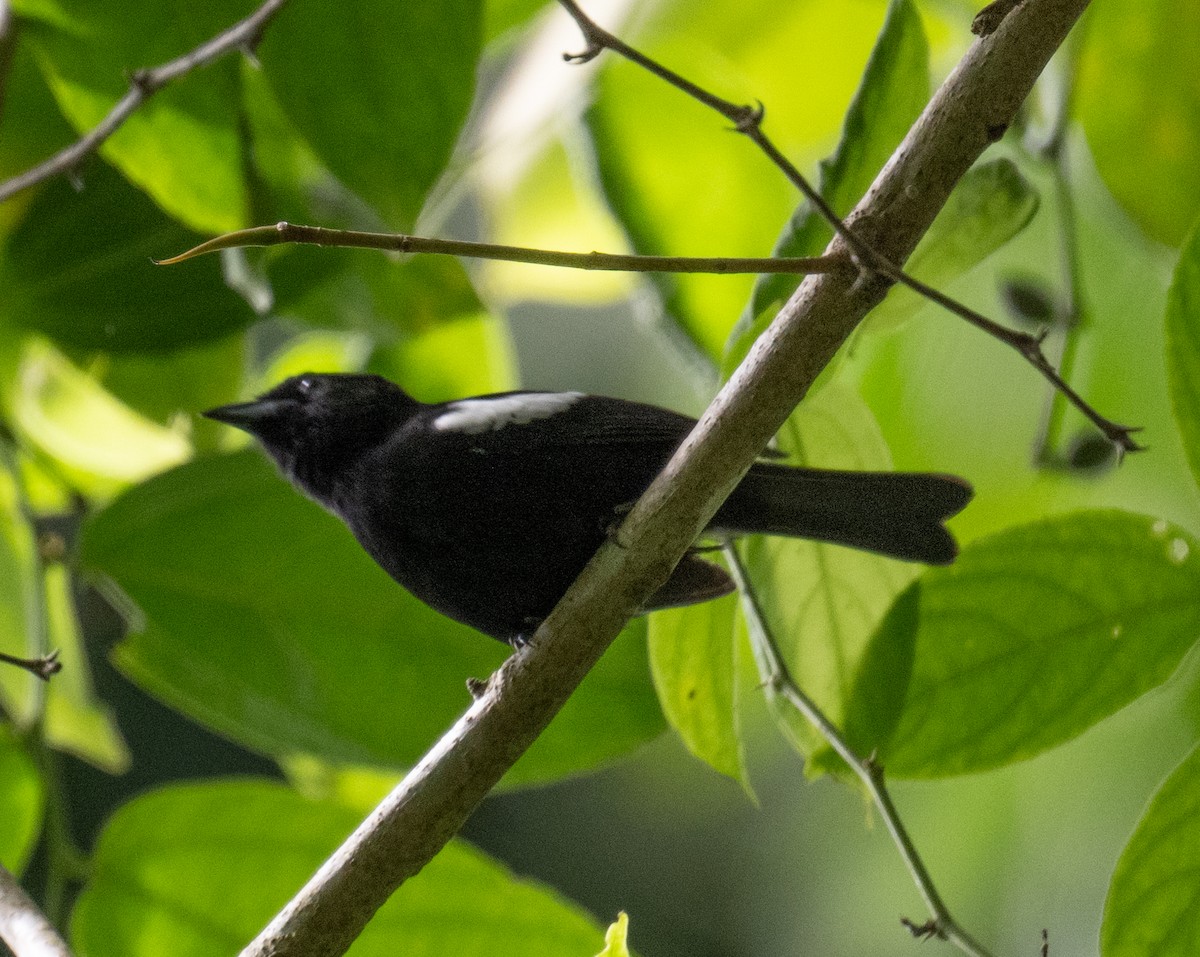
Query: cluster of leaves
column 256, row 615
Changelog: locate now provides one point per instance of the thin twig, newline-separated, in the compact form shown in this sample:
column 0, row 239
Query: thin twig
column 748, row 121
column 42, row 666
column 23, row 927
column 244, row 35
column 778, row 681
column 282, row 233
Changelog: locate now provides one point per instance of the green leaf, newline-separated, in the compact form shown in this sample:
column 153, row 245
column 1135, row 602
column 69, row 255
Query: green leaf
column 100, row 443
column 182, row 146
column 1182, row 350
column 78, row 268
column 19, row 602
column 823, row 602
column 1153, row 905
column 988, row 207
column 21, row 805
column 893, row 91
column 76, row 720
column 470, row 356
column 31, row 127
column 648, row 136
column 616, row 938
column 692, row 661
column 1139, row 101
column 165, row 863
column 1037, row 633
column 386, row 119
column 264, row 619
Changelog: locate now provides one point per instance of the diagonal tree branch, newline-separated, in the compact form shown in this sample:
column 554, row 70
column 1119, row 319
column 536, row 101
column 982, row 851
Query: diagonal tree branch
column 23, row 927
column 243, row 35
column 430, row 805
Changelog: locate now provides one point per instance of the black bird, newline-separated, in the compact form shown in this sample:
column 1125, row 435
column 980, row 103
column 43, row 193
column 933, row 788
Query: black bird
column 488, row 508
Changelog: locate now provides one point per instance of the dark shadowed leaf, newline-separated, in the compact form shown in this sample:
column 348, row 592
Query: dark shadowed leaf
column 79, row 269
column 384, row 121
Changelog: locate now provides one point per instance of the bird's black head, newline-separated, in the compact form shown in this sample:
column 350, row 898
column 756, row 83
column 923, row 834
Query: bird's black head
column 316, row 425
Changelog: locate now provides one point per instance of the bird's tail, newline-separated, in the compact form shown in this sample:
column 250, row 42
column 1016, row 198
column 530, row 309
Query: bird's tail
column 893, row 513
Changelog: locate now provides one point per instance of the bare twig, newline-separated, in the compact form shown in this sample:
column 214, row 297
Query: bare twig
column 143, row 84
column 429, row 806
column 282, row 233
column 23, row 927
column 777, row 679
column 43, row 666
column 748, row 120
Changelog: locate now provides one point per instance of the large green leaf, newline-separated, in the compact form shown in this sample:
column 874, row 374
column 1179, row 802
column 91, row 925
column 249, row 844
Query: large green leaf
column 1182, row 350
column 21, row 803
column 822, row 602
column 1139, row 99
column 163, row 870
column 1037, row 633
column 183, row 146
column 79, row 268
column 680, row 186
column 692, row 660
column 263, row 618
column 386, row 114
column 1153, row 906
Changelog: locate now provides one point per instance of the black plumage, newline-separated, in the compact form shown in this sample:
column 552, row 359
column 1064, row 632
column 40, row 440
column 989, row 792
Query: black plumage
column 488, row 508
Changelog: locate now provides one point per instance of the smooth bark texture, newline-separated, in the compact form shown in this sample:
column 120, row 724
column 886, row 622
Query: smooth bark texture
column 971, row 110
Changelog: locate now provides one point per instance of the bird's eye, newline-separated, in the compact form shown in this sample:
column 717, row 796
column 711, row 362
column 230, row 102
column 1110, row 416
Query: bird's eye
column 306, row 385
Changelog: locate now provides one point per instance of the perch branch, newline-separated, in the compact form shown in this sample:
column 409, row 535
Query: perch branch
column 143, row 84
column 429, row 806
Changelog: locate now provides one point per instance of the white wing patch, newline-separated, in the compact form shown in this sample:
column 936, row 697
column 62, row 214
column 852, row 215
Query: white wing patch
column 476, row 416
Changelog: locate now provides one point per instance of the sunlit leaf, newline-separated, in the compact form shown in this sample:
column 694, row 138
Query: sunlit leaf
column 1037, row 633
column 1139, row 100
column 21, row 804
column 1153, row 906
column 692, row 660
column 76, row 720
column 1182, row 351
column 264, row 619
column 182, row 147
column 616, row 938
column 163, row 868
column 19, row 603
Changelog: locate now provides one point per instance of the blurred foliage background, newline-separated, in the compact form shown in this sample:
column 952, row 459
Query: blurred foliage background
column 223, row 636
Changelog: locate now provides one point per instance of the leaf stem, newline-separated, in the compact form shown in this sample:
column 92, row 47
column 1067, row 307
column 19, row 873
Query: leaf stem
column 778, row 681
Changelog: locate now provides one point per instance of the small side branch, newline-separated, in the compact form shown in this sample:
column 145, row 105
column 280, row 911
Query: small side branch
column 778, row 680
column 43, row 666
column 244, row 35
column 23, row 927
column 748, row 121
column 283, row 233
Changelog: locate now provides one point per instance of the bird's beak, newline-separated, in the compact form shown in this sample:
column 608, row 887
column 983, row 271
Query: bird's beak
column 249, row 416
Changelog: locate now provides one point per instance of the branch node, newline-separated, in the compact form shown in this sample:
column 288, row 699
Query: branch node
column 926, row 931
